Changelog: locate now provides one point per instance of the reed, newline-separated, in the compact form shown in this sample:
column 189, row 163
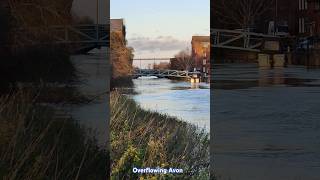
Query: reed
column 141, row 138
column 37, row 142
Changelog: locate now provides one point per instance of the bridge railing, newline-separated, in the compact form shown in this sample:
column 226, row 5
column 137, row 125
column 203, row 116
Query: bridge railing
column 68, row 34
column 239, row 40
column 81, row 33
column 164, row 73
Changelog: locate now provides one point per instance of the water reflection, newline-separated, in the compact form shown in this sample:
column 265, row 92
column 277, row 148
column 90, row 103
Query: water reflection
column 242, row 76
column 266, row 122
column 94, row 75
column 276, row 78
column 189, row 102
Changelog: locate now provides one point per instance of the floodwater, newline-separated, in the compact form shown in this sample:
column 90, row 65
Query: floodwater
column 186, row 101
column 266, row 123
column 94, row 72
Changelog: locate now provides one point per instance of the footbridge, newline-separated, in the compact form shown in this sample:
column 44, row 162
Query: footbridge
column 165, row 73
column 82, row 38
column 238, row 39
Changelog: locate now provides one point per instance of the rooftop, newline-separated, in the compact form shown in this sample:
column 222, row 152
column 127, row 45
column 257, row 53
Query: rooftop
column 116, row 24
column 201, row 38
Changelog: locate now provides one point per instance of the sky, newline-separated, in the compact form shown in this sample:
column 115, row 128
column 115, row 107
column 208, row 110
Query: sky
column 162, row 28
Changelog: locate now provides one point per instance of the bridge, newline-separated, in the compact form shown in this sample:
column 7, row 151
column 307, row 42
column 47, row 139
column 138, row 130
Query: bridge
column 82, row 38
column 151, row 59
column 154, row 59
column 165, row 73
column 238, row 40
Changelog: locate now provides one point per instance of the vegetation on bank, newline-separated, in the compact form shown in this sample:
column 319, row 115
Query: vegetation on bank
column 23, row 61
column 39, row 142
column 38, row 139
column 141, row 138
column 121, row 61
column 183, row 61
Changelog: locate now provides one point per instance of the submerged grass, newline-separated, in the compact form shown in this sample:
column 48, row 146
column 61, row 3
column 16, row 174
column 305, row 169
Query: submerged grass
column 37, row 142
column 141, row 138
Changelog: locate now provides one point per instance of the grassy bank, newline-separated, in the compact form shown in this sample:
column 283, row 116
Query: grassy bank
column 141, row 138
column 121, row 58
column 38, row 139
column 38, row 142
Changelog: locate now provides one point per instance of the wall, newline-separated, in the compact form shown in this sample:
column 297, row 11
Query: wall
column 89, row 8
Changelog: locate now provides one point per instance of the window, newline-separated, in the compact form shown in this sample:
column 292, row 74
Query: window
column 204, row 69
column 301, row 25
column 303, row 4
column 317, row 5
column 205, row 44
column 204, row 61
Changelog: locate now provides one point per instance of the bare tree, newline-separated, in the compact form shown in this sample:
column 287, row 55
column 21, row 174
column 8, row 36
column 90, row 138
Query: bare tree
column 241, row 13
column 162, row 66
column 182, row 61
column 32, row 19
column 121, row 56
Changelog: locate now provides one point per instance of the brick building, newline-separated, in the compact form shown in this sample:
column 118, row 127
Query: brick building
column 311, row 18
column 117, row 25
column 201, row 53
column 301, row 16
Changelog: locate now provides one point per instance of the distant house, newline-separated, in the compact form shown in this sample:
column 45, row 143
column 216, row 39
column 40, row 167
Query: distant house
column 301, row 16
column 310, row 17
column 117, row 25
column 201, row 53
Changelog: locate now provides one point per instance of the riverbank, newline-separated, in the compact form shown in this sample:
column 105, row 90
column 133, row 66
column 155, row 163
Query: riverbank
column 141, row 138
column 39, row 141
column 42, row 90
column 44, row 132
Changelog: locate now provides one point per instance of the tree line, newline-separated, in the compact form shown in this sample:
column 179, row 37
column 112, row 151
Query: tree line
column 244, row 14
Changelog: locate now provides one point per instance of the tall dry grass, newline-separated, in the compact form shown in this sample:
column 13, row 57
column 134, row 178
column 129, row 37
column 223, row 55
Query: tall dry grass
column 37, row 142
column 121, row 60
column 141, row 138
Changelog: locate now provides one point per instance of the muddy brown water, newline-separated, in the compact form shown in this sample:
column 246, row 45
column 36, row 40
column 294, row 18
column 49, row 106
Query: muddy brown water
column 265, row 122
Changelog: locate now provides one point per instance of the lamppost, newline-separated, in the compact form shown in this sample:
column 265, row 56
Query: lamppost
column 276, row 17
column 97, row 20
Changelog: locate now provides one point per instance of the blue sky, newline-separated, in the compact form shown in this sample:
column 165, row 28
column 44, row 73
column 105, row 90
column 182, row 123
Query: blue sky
column 161, row 28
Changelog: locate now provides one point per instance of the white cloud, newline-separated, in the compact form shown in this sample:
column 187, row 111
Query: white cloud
column 160, row 43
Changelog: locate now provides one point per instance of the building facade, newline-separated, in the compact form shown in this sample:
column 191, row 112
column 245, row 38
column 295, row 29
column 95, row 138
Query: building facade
column 301, row 16
column 118, row 25
column 201, row 53
column 311, row 18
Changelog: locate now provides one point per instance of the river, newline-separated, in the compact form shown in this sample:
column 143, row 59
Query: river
column 186, row 101
column 266, row 122
column 94, row 73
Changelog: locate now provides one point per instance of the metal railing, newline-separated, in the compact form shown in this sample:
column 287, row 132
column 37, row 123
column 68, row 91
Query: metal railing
column 165, row 73
column 69, row 34
column 238, row 40
column 81, row 34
